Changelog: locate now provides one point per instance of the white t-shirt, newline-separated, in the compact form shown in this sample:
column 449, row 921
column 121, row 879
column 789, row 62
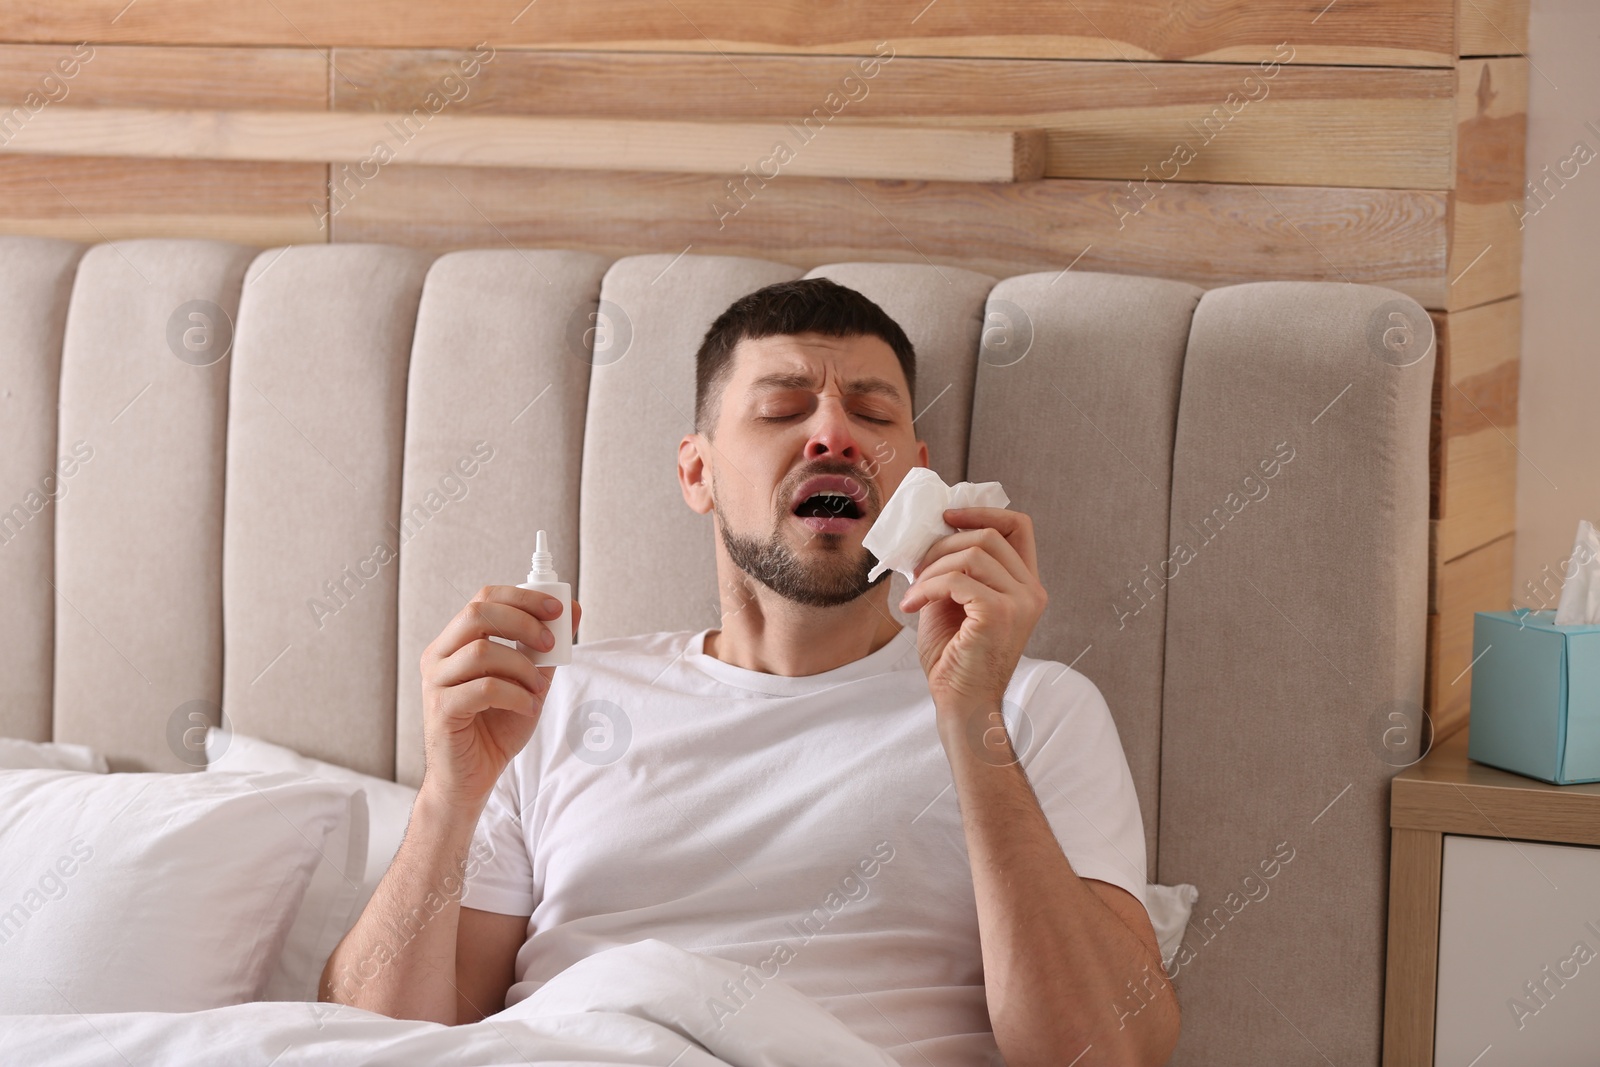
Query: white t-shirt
column 806, row 826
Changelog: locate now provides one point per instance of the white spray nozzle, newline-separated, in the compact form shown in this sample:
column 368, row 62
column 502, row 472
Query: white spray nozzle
column 544, row 568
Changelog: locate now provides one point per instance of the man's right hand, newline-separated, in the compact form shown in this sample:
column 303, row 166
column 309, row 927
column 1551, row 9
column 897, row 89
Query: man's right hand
column 480, row 699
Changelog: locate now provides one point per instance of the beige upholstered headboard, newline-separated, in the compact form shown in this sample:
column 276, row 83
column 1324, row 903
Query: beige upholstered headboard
column 274, row 475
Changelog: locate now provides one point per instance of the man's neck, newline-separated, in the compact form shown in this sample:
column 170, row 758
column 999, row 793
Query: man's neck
column 776, row 636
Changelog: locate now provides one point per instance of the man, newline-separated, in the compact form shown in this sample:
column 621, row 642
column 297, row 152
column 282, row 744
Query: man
column 930, row 834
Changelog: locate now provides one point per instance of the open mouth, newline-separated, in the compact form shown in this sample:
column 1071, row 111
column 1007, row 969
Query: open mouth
column 827, row 506
column 830, row 503
column 829, row 512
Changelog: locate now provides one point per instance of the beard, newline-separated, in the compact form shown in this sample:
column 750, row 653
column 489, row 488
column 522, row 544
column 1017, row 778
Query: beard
column 835, row 575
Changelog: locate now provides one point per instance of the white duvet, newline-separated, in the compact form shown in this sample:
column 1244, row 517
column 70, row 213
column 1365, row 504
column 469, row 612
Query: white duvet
column 645, row 1003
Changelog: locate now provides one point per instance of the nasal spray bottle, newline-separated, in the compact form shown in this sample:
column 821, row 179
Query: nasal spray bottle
column 542, row 579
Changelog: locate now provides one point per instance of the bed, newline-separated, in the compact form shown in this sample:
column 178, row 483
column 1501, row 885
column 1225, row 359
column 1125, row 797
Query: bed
column 243, row 488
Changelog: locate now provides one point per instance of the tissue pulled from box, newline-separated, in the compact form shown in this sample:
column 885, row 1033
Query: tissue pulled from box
column 1580, row 588
column 914, row 518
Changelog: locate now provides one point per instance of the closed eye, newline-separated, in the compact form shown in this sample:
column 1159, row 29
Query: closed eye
column 798, row 415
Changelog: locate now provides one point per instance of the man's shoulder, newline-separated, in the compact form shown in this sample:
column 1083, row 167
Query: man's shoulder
column 1059, row 699
column 1048, row 683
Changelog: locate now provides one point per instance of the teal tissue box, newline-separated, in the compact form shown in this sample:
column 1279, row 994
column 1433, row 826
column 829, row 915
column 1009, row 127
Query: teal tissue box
column 1535, row 696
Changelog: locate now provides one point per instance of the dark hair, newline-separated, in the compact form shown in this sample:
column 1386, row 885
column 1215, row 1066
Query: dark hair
column 806, row 305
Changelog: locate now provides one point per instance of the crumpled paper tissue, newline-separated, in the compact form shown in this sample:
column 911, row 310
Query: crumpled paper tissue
column 913, row 519
column 1580, row 594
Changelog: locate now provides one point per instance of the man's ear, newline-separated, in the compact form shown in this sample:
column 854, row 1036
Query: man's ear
column 694, row 474
column 922, row 453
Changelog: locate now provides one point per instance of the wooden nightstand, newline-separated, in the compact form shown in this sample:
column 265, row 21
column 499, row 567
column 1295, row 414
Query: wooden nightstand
column 1449, row 814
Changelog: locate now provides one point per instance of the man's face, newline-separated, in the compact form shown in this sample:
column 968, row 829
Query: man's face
column 812, row 435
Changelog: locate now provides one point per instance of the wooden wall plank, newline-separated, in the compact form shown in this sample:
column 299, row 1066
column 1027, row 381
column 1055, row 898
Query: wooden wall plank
column 1492, row 27
column 135, row 76
column 1482, row 472
column 1376, row 128
column 427, row 136
column 1384, row 237
column 1485, row 254
column 1491, row 130
column 1477, row 581
column 108, row 199
column 1475, row 426
column 1391, row 33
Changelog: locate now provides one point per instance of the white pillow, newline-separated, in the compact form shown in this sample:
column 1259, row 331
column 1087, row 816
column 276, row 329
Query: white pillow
column 153, row 892
column 388, row 803
column 1169, row 907
column 389, row 810
column 18, row 755
column 331, row 905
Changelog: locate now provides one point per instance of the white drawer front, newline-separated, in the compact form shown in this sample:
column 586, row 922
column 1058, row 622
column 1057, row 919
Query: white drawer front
column 1519, row 954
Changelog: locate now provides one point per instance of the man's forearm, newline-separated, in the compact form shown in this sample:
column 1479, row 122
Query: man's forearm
column 400, row 957
column 1056, row 959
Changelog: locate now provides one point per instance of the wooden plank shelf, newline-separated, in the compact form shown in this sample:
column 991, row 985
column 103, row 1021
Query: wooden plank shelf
column 761, row 150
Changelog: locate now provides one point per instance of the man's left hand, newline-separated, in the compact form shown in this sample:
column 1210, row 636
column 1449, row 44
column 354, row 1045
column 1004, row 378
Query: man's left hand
column 979, row 597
